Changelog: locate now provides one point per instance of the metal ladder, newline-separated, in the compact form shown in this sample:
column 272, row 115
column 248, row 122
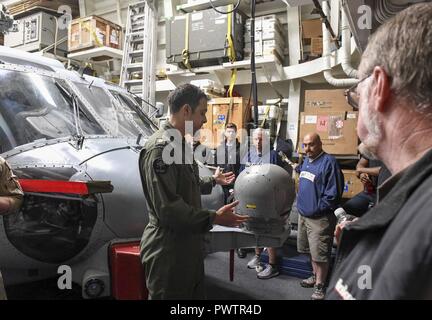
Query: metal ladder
column 139, row 54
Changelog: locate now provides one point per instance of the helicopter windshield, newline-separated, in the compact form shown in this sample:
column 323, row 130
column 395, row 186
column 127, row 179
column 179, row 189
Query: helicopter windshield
column 33, row 107
column 128, row 101
column 117, row 112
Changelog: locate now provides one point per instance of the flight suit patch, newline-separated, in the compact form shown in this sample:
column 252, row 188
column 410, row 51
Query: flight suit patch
column 159, row 166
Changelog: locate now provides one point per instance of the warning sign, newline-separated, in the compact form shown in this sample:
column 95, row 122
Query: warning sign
column 322, row 124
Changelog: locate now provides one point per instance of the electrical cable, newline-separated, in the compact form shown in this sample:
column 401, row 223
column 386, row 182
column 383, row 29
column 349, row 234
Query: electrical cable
column 253, row 67
column 226, row 12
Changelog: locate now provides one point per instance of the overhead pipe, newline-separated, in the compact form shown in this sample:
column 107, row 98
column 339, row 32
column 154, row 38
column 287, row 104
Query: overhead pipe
column 346, row 48
column 326, row 55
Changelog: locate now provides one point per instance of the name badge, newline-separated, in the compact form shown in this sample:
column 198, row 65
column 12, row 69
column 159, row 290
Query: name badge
column 307, row 175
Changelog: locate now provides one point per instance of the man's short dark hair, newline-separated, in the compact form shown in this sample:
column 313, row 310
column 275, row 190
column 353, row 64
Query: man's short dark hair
column 231, row 126
column 185, row 94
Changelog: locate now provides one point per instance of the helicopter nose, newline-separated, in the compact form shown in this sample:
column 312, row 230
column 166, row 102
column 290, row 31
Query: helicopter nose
column 125, row 208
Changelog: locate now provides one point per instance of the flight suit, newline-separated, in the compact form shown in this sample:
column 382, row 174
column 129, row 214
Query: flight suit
column 172, row 245
column 9, row 187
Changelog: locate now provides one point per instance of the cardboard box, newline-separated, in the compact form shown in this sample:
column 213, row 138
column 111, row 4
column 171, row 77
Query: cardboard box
column 312, row 28
column 258, row 36
column 316, row 46
column 93, row 31
column 219, row 112
column 353, row 185
column 273, row 35
column 270, row 47
column 264, row 49
column 258, row 49
column 269, row 22
column 317, row 101
column 336, row 129
column 258, row 24
column 266, row 36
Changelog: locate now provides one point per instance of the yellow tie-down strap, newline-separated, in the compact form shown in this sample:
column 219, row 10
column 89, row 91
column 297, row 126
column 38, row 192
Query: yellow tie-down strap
column 92, row 33
column 231, row 51
column 185, row 52
column 266, row 113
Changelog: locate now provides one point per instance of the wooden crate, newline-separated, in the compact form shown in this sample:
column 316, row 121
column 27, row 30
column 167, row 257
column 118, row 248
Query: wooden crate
column 220, row 112
column 26, row 7
column 92, row 32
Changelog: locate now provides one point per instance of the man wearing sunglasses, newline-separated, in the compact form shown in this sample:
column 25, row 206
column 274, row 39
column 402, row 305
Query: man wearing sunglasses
column 387, row 253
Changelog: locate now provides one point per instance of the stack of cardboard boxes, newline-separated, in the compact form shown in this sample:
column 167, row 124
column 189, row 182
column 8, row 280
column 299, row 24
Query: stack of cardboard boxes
column 327, row 113
column 312, row 39
column 269, row 39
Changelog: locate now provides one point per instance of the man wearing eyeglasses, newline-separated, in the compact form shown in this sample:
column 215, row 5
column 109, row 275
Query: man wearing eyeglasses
column 387, row 253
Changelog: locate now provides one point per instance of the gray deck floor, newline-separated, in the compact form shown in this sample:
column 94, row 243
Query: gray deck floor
column 246, row 286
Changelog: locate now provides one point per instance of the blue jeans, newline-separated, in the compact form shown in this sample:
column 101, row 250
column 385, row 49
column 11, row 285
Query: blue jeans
column 359, row 204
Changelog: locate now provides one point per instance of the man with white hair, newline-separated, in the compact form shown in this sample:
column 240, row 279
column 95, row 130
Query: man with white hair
column 387, row 253
column 261, row 153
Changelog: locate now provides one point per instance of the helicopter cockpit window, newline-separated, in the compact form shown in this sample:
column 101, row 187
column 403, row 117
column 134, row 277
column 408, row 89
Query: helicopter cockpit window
column 121, row 119
column 133, row 108
column 33, row 107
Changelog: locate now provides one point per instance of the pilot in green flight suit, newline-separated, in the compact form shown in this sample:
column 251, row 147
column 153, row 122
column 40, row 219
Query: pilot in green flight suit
column 172, row 243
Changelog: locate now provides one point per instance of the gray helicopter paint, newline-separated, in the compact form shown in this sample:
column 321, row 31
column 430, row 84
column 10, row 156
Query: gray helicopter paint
column 126, row 204
column 66, row 153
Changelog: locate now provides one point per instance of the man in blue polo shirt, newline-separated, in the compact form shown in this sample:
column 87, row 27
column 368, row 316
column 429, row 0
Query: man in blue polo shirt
column 320, row 191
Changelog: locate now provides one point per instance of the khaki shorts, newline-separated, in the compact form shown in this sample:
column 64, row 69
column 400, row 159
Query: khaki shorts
column 315, row 236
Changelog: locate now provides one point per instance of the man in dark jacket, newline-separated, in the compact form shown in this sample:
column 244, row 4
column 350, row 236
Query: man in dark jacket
column 228, row 155
column 320, row 191
column 173, row 240
column 386, row 254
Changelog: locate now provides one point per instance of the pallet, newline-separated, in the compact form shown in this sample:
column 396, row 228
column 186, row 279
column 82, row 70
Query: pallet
column 27, row 7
